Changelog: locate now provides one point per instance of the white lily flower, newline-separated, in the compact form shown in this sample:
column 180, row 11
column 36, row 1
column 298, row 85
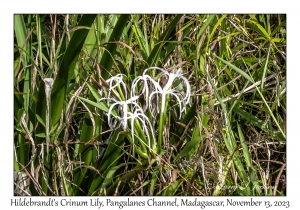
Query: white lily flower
column 139, row 115
column 123, row 110
column 172, row 76
column 148, row 83
column 118, row 79
column 130, row 109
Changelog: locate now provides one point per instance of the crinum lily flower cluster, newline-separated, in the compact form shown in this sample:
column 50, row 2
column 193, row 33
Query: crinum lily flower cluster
column 154, row 93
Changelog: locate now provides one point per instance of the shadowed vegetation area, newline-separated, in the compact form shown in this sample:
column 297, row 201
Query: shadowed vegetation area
column 150, row 105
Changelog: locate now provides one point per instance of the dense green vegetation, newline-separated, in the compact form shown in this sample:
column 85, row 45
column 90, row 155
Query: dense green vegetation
column 150, row 104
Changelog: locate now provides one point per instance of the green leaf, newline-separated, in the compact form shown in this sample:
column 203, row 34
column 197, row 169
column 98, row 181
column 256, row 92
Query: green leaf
column 129, row 175
column 110, row 174
column 40, row 120
column 245, row 147
column 213, row 31
column 24, row 43
column 210, row 18
column 241, row 72
column 258, row 123
column 190, row 146
column 109, row 160
column 102, row 106
column 172, row 188
column 107, row 61
column 152, row 59
column 41, row 135
column 260, row 29
column 21, row 34
column 67, row 66
column 143, row 42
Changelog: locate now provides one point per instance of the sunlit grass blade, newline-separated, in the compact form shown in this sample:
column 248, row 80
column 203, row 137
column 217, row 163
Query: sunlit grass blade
column 241, row 72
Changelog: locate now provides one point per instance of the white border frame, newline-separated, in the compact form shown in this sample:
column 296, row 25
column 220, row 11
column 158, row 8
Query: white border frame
column 8, row 9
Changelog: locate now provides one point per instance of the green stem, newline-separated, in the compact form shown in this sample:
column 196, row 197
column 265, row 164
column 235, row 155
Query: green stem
column 162, row 117
column 141, row 134
column 141, row 153
column 160, row 132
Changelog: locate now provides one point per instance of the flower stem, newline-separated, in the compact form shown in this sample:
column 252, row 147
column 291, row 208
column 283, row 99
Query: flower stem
column 160, row 132
column 162, row 117
column 142, row 154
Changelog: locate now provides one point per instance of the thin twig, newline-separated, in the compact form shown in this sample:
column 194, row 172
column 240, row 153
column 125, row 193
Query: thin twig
column 278, row 178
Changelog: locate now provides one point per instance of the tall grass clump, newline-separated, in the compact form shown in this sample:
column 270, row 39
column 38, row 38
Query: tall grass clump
column 149, row 104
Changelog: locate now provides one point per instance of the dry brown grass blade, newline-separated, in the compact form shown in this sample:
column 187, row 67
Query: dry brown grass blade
column 78, row 28
column 22, row 183
column 121, row 43
column 91, row 116
column 177, row 66
column 33, row 149
column 69, row 116
column 21, row 52
column 278, row 178
column 42, row 168
column 251, row 87
column 37, row 186
column 58, row 144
